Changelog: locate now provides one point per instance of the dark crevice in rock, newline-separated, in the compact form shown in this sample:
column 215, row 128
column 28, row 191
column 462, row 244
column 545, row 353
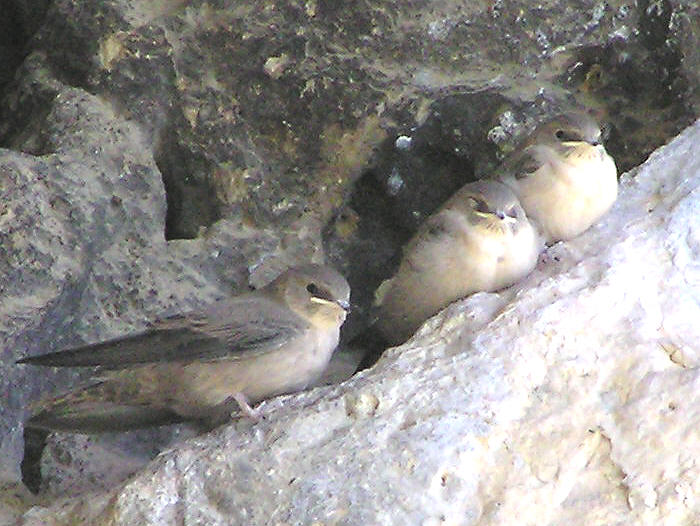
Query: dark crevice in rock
column 654, row 22
column 19, row 21
column 13, row 37
column 79, row 34
column 23, row 118
column 190, row 195
column 412, row 174
column 640, row 85
column 370, row 250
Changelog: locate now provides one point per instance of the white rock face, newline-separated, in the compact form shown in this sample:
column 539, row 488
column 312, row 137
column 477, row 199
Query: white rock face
column 572, row 399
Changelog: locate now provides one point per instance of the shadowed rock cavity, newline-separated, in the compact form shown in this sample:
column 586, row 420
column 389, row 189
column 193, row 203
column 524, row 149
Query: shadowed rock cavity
column 19, row 20
column 191, row 199
column 412, row 173
column 639, row 85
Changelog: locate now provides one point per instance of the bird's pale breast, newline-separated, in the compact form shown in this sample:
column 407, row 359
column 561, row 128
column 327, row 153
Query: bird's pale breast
column 567, row 197
column 285, row 370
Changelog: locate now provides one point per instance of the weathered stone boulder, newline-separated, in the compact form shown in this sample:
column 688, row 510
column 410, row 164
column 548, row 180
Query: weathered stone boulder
column 156, row 156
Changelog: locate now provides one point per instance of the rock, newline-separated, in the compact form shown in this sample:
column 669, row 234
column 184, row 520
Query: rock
column 14, row 501
column 160, row 155
column 267, row 114
column 83, row 255
column 570, row 398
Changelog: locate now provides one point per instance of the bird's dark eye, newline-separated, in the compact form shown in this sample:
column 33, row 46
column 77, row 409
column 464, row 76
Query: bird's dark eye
column 312, row 288
column 564, row 135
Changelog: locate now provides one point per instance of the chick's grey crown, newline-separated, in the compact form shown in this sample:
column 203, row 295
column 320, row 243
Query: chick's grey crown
column 496, row 195
column 570, row 127
column 495, row 198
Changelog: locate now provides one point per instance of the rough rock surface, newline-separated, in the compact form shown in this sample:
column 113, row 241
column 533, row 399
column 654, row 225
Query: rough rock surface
column 570, row 399
column 156, row 155
column 82, row 250
column 266, row 113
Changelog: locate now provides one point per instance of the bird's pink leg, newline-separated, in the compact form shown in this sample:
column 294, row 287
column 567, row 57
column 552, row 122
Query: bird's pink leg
column 245, row 407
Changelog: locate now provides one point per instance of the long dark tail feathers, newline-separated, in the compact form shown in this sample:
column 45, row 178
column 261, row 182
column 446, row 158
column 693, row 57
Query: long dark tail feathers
column 95, row 418
column 92, row 409
column 105, row 418
column 34, row 444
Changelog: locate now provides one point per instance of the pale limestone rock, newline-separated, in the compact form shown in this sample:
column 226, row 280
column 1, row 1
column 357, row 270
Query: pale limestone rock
column 571, row 399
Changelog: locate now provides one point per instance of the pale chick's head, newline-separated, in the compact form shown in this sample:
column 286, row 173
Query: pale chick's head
column 318, row 293
column 569, row 130
column 493, row 206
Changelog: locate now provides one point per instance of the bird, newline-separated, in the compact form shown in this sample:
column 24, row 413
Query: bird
column 478, row 240
column 563, row 176
column 199, row 366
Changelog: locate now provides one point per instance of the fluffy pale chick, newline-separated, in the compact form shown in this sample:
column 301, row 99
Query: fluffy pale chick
column 563, row 177
column 201, row 366
column 479, row 240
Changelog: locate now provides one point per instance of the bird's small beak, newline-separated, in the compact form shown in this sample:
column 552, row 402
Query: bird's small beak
column 505, row 217
column 345, row 305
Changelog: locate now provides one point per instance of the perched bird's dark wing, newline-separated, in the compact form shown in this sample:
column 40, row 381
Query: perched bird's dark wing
column 522, row 163
column 242, row 326
column 440, row 228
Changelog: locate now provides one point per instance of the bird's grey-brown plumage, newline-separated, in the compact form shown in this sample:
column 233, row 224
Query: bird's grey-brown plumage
column 240, row 351
column 479, row 240
column 562, row 175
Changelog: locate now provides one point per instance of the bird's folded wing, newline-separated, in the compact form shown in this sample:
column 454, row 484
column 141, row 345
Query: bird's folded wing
column 522, row 163
column 440, row 227
column 235, row 328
